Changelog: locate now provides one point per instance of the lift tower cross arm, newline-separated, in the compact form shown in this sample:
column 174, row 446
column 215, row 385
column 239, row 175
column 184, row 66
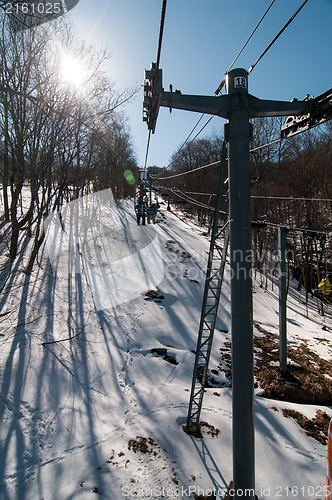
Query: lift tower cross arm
column 223, row 105
column 155, row 97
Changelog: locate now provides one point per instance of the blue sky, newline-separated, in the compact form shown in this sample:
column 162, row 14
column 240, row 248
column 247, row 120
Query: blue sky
column 201, row 39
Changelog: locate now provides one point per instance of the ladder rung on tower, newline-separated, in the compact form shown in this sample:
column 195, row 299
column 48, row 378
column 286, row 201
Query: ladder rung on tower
column 212, row 290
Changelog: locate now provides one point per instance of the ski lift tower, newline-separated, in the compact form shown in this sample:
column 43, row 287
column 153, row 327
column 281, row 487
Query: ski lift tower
column 238, row 106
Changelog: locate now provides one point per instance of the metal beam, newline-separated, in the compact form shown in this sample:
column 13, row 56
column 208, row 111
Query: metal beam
column 238, row 134
column 282, row 236
column 224, row 105
column 211, row 298
column 202, row 104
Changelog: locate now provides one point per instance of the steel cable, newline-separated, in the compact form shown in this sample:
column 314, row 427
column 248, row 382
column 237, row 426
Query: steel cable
column 276, row 37
column 243, row 47
column 160, row 39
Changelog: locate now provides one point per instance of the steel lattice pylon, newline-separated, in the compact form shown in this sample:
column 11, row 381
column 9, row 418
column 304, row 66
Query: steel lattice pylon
column 212, row 290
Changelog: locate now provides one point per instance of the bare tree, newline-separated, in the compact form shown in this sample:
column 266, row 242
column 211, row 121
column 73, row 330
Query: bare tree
column 49, row 127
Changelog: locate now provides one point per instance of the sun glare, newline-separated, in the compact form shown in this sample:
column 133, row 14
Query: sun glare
column 72, row 71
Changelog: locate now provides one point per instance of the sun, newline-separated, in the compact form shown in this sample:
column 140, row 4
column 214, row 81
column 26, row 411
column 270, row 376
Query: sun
column 72, row 71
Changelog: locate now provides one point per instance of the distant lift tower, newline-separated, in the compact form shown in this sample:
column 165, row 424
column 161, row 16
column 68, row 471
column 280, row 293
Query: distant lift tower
column 211, row 298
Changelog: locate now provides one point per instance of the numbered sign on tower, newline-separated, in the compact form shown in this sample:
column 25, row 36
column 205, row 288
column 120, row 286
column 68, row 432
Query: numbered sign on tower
column 240, row 82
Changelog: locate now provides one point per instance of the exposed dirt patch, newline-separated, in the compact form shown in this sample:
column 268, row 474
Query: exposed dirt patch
column 143, row 445
column 316, row 427
column 183, row 255
column 226, row 361
column 170, row 359
column 161, row 351
column 154, row 295
column 211, row 430
column 210, row 381
column 308, row 375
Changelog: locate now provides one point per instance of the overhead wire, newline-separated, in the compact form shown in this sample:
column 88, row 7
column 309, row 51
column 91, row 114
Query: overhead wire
column 243, row 47
column 161, row 32
column 268, row 197
column 192, row 140
column 218, row 90
column 147, row 150
column 186, row 172
column 216, row 163
column 181, row 195
column 179, row 174
column 266, row 145
column 277, row 36
column 184, row 196
column 160, row 40
column 185, row 141
column 220, row 86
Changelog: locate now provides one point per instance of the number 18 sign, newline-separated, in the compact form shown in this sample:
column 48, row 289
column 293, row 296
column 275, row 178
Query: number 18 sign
column 240, row 82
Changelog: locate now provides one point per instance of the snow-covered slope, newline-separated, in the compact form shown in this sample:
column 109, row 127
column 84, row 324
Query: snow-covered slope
column 87, row 409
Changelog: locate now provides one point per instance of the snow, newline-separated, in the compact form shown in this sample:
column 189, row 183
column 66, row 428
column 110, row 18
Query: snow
column 80, row 385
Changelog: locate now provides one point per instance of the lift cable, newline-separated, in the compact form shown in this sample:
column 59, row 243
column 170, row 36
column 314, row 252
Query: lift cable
column 185, row 142
column 291, row 198
column 187, row 172
column 147, row 149
column 275, row 141
column 276, row 37
column 200, row 130
column 266, row 145
column 313, row 230
column 183, row 196
column 219, row 89
column 205, row 166
column 223, row 82
column 210, row 164
column 161, row 31
column 160, row 39
column 244, row 46
column 190, row 200
column 181, row 148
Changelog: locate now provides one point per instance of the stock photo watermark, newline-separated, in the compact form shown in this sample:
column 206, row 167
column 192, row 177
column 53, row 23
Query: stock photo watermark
column 270, row 492
column 90, row 235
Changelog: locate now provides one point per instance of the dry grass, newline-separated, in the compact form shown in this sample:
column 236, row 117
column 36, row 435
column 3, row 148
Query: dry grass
column 316, row 427
column 308, row 381
column 143, row 445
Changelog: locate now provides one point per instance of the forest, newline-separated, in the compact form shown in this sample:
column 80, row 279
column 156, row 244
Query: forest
column 291, row 185
column 59, row 139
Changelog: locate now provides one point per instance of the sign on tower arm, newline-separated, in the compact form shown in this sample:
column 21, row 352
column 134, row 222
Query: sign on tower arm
column 320, row 111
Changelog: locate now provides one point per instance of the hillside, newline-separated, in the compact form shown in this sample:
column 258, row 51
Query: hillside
column 90, row 406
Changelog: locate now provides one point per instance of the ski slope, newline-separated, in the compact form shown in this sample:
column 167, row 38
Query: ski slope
column 87, row 409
